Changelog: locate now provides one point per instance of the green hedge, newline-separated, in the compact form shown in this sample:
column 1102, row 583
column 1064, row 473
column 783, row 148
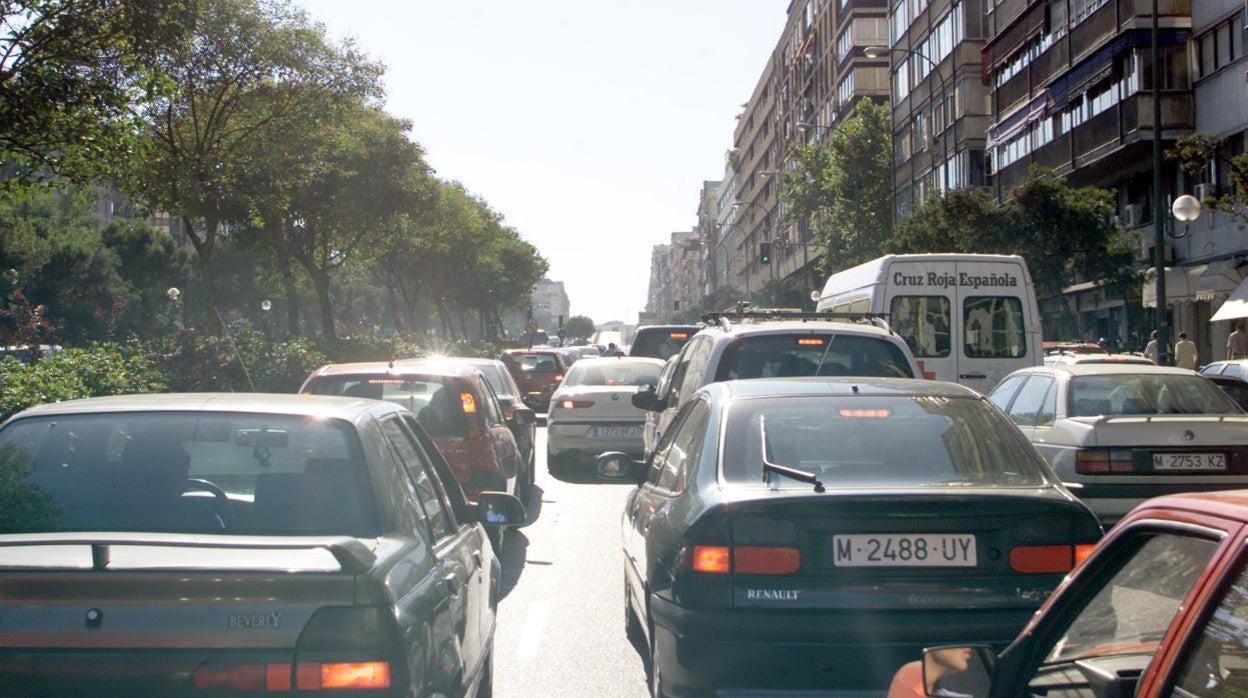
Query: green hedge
column 193, row 363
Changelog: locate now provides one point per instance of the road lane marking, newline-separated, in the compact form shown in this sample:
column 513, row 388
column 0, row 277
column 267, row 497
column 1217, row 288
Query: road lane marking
column 531, row 632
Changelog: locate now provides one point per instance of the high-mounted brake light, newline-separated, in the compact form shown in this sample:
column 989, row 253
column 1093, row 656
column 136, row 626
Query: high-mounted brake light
column 678, row 335
column 810, row 341
column 866, row 414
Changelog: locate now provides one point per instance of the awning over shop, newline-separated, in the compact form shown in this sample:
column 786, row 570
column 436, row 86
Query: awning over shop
column 1235, row 307
column 1181, row 285
column 1220, row 279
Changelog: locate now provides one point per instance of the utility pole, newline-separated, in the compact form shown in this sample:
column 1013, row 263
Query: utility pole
column 1159, row 210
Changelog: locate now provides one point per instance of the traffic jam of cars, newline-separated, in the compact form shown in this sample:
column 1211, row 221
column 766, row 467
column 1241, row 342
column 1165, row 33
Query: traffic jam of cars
column 898, row 494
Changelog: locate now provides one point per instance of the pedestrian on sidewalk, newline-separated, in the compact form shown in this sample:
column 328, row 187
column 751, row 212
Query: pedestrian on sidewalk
column 1185, row 353
column 1237, row 343
column 1150, row 351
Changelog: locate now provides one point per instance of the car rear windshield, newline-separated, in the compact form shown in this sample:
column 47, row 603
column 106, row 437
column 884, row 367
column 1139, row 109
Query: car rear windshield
column 173, row 472
column 614, row 372
column 437, row 401
column 806, row 354
column 1146, row 393
column 660, row 343
column 535, row 363
column 866, row 441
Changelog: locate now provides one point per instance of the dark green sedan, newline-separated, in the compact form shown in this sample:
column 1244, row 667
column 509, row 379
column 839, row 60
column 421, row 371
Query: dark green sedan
column 811, row 534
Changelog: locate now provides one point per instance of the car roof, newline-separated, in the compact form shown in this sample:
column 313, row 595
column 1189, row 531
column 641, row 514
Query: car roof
column 537, row 350
column 439, row 366
column 1085, row 369
column 820, row 385
column 660, row 328
column 797, row 326
column 608, row 360
column 267, row 403
column 1227, row 504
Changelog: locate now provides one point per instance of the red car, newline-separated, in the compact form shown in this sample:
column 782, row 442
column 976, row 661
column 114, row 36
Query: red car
column 454, row 403
column 538, row 372
column 1160, row 608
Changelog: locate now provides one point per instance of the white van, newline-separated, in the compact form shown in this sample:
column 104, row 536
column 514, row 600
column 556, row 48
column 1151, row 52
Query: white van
column 968, row 318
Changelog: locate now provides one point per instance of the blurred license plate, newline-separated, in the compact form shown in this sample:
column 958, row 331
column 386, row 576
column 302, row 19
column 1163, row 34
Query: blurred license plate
column 1189, row 461
column 615, row 433
column 905, row 550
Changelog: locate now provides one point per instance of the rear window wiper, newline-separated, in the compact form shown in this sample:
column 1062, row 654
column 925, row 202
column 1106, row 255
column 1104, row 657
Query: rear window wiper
column 784, row 470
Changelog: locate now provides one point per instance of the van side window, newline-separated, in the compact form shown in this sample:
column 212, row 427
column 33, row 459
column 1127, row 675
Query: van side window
column 993, row 327
column 923, row 321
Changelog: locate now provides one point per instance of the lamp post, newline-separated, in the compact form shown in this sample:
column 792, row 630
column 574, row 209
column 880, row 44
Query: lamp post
column 946, row 121
column 265, row 306
column 174, row 294
column 1159, row 236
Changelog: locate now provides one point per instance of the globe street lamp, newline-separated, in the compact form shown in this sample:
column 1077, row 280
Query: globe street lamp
column 266, row 305
column 1185, row 209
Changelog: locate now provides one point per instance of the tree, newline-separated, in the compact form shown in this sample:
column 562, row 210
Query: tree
column 248, row 72
column 579, row 326
column 1066, row 234
column 1197, row 153
column 369, row 172
column 70, row 71
column 844, row 186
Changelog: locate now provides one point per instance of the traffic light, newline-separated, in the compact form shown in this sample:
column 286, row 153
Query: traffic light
column 764, row 252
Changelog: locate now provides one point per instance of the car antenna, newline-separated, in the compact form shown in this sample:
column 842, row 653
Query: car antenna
column 786, row 471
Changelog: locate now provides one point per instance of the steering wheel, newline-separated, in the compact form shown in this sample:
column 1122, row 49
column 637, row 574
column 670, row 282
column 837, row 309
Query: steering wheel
column 220, row 500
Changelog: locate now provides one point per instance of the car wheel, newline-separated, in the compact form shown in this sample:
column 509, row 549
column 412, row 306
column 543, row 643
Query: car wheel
column 554, row 464
column 485, row 689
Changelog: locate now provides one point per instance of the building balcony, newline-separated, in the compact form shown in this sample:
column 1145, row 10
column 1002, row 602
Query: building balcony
column 1108, row 143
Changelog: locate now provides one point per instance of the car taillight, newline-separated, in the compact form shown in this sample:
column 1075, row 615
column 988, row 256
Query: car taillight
column 578, row 404
column 345, row 648
column 1048, row 559
column 243, row 677
column 743, row 559
column 308, row 676
column 1089, row 462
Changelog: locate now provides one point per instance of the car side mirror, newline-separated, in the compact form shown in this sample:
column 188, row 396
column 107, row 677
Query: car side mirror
column 523, row 416
column 499, row 509
column 962, row 670
column 619, row 467
column 646, row 399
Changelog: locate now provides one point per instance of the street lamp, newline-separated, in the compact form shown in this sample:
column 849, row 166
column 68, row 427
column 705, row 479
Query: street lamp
column 946, row 126
column 1185, row 209
column 173, row 293
column 266, row 305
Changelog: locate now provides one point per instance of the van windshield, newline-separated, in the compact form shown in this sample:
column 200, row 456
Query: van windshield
column 806, row 354
column 661, row 342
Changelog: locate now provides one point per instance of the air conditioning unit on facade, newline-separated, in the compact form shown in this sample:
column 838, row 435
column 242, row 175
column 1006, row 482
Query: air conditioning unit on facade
column 1133, row 215
column 1206, row 192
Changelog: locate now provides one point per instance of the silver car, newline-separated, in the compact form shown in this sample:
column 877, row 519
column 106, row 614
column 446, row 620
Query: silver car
column 1122, row 433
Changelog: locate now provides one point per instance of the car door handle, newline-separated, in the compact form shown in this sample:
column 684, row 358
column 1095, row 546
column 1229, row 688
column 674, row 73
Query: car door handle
column 972, row 375
column 476, row 556
column 452, row 584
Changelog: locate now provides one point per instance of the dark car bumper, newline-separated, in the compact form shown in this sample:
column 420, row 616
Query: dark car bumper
column 730, row 653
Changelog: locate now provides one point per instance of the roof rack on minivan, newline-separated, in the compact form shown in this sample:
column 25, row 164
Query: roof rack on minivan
column 724, row 318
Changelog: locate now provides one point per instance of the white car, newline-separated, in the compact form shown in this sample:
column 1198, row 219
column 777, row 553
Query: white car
column 1122, row 433
column 592, row 412
column 1068, row 359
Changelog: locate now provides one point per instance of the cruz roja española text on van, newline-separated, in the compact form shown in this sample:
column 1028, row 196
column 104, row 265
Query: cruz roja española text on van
column 961, row 279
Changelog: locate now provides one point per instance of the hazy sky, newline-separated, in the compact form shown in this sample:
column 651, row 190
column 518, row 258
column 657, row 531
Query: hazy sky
column 589, row 124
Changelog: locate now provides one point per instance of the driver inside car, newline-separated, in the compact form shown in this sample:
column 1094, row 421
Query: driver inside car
column 154, row 474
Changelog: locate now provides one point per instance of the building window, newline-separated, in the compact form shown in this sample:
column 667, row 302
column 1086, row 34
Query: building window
column 845, row 91
column 1083, row 9
column 1222, row 45
column 899, row 21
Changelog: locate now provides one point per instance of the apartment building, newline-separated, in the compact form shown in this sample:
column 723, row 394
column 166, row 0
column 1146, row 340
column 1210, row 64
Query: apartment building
column 817, row 72
column 941, row 104
column 1072, row 92
column 707, row 232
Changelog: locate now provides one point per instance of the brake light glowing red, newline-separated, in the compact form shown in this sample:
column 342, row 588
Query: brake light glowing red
column 1083, row 551
column 678, row 335
column 810, row 342
column 354, row 675
column 580, row 404
column 308, row 676
column 711, row 559
column 760, row 560
column 1043, row 559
